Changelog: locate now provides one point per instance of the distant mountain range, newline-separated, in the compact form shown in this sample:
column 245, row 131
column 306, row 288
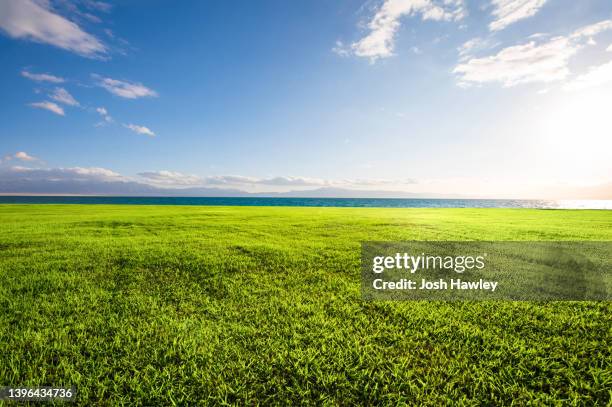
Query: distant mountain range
column 131, row 188
column 30, row 185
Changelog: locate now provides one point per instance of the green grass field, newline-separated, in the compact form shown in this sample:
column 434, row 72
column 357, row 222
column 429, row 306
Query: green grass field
column 243, row 305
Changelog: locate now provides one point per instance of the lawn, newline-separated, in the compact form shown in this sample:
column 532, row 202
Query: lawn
column 238, row 305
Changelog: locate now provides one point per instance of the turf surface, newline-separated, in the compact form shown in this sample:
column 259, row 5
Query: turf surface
column 243, row 305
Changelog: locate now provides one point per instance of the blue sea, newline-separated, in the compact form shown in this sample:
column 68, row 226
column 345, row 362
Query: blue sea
column 316, row 202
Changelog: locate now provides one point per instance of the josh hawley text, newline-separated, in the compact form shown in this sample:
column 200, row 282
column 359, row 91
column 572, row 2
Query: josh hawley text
column 441, row 284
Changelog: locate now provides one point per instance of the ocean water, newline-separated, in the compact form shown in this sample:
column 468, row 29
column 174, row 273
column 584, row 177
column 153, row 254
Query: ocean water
column 320, row 202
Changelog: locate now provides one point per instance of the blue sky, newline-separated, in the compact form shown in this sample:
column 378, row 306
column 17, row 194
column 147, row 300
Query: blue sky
column 495, row 98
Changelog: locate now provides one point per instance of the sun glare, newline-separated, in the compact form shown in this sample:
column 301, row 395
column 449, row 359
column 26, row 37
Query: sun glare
column 576, row 131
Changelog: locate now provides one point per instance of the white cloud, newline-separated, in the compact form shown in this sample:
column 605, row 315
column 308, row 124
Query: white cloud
column 99, row 5
column 540, row 60
column 42, row 77
column 91, row 17
column 507, row 12
column 609, row 49
column 105, row 116
column 590, row 31
column 95, row 172
column 50, row 106
column 473, row 46
column 170, row 178
column 230, row 180
column 72, row 173
column 294, row 181
column 469, row 45
column 20, row 155
column 525, row 63
column 287, row 181
column 124, row 89
column 140, row 129
column 61, row 95
column 278, row 181
column 341, row 49
column 36, row 21
column 23, row 156
column 380, row 41
column 596, row 76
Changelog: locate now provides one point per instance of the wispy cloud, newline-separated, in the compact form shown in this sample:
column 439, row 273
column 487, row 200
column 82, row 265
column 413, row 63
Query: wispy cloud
column 507, row 12
column 592, row 30
column 124, row 89
column 106, row 117
column 475, row 45
column 140, row 129
column 596, row 76
column 98, row 5
column 42, row 77
column 73, row 10
column 380, row 41
column 50, row 106
column 518, row 64
column 540, row 60
column 36, row 21
column 61, row 95
column 341, row 49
